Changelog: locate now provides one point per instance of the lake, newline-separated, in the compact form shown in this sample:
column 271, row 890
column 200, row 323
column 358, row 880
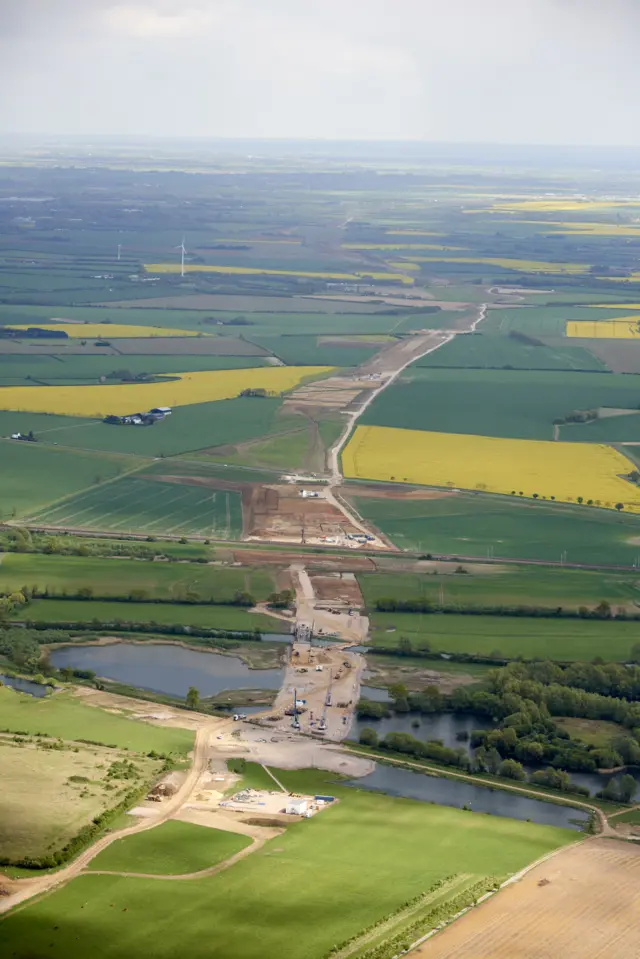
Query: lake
column 166, row 669
column 25, row 686
column 443, row 726
column 449, row 792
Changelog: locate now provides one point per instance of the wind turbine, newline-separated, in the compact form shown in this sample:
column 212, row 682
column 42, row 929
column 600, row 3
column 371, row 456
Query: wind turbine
column 119, row 250
column 183, row 250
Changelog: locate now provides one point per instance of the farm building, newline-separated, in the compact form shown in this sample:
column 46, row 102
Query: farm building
column 161, row 411
column 296, row 807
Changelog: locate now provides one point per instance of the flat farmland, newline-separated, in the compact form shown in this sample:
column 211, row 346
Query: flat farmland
column 188, row 429
column 113, row 576
column 33, row 475
column 148, row 506
column 170, row 849
column 581, row 904
column 619, row 356
column 565, row 472
column 482, row 351
column 346, row 847
column 63, row 716
column 565, row 640
column 542, row 320
column 505, row 585
column 519, row 404
column 250, row 304
column 183, row 389
column 164, row 614
column 472, row 525
column 48, row 795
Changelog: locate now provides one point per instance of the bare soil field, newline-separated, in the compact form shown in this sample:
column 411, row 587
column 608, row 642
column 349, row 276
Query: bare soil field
column 49, row 794
column 333, row 393
column 256, row 304
column 339, row 588
column 621, row 356
column 583, row 903
column 279, row 512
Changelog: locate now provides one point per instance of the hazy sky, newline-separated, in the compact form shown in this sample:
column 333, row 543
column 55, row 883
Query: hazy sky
column 510, row 71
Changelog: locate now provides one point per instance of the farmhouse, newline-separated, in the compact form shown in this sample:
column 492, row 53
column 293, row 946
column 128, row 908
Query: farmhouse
column 296, row 807
column 160, row 411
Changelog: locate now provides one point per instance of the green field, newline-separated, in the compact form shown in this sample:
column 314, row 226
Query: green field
column 509, row 403
column 286, row 899
column 170, row 849
column 64, row 717
column 307, row 351
column 113, row 576
column 196, row 427
column 570, row 640
column 164, row 614
column 149, row 506
column 481, row 351
column 509, row 586
column 48, row 369
column 33, row 475
column 471, row 525
column 545, row 320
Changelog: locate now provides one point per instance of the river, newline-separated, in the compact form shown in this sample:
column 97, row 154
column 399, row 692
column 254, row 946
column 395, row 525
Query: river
column 449, row 792
column 163, row 668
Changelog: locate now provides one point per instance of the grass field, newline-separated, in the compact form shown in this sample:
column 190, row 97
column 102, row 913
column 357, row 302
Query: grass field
column 559, row 471
column 123, row 399
column 506, row 263
column 171, row 849
column 164, row 614
column 480, row 351
column 49, row 369
column 64, row 717
column 508, row 586
column 472, row 525
column 133, row 504
column 117, row 577
column 188, row 429
column 520, row 404
column 34, row 475
column 247, row 911
column 594, row 732
column 544, row 320
column 571, row 640
column 42, row 808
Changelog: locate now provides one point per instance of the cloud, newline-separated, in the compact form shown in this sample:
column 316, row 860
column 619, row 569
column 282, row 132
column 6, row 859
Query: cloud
column 144, row 21
column 539, row 71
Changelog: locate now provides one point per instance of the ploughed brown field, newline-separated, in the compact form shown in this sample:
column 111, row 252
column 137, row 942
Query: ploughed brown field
column 583, row 903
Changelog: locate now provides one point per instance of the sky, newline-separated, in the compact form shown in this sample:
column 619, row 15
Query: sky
column 494, row 71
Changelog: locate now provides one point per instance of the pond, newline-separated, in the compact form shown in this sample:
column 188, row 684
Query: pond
column 25, row 686
column 167, row 669
column 450, row 792
column 443, row 726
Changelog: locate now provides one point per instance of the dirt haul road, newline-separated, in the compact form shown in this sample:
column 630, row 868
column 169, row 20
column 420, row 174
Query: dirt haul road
column 24, row 889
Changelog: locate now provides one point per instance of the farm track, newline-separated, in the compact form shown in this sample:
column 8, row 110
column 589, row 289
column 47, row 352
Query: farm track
column 25, row 889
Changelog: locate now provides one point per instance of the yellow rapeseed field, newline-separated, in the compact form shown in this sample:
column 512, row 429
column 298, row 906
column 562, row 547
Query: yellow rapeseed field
column 90, row 331
column 412, row 233
column 562, row 471
column 624, row 328
column 524, row 266
column 263, row 271
column 559, row 204
column 122, row 399
column 585, row 228
column 399, row 246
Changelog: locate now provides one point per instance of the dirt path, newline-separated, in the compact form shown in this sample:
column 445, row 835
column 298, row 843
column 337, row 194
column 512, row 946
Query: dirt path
column 23, row 889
